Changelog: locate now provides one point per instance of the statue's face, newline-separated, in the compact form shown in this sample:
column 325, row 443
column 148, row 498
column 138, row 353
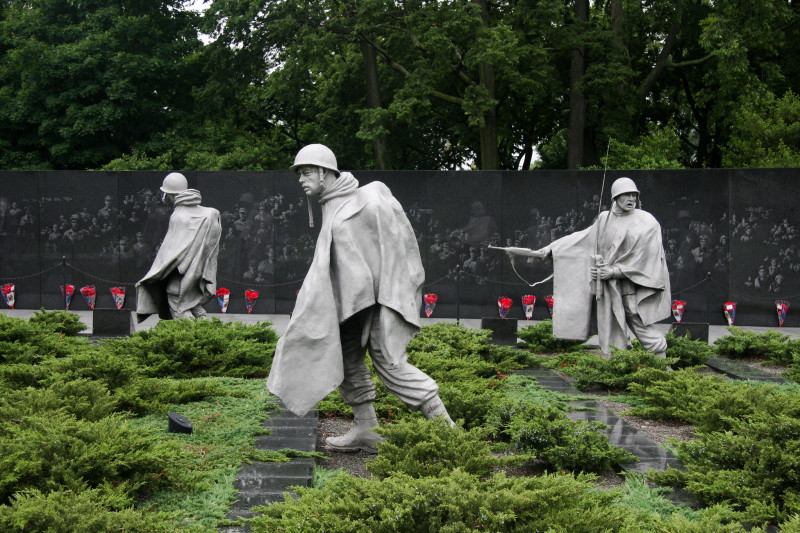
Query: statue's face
column 310, row 180
column 627, row 201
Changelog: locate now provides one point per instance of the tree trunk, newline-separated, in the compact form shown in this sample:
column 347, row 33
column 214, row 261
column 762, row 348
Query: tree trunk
column 374, row 101
column 577, row 100
column 489, row 156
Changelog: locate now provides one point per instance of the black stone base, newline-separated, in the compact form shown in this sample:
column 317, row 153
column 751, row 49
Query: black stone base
column 697, row 331
column 113, row 322
column 504, row 330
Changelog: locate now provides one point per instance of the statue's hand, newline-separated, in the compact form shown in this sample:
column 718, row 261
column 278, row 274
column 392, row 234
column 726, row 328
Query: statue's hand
column 603, row 271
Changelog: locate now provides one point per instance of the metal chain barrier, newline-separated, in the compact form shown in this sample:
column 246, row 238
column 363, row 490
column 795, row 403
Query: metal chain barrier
column 32, row 275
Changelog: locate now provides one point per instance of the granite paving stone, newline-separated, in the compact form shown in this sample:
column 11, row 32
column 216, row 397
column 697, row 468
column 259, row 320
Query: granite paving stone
column 737, row 370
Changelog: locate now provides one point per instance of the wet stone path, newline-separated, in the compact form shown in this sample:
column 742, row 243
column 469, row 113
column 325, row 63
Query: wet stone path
column 262, row 483
column 650, row 454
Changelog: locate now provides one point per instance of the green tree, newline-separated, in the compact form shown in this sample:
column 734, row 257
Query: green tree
column 83, row 82
column 765, row 132
column 401, row 84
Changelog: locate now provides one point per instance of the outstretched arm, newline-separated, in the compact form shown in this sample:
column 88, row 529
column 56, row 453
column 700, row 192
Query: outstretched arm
column 524, row 252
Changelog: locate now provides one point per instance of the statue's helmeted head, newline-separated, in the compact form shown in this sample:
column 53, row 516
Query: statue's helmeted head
column 316, row 155
column 625, row 194
column 622, row 186
column 174, row 183
column 312, row 164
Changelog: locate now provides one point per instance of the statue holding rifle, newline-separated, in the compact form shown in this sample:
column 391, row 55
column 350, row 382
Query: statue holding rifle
column 618, row 261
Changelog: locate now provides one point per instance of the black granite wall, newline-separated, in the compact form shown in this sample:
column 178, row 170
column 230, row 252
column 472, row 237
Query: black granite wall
column 737, row 225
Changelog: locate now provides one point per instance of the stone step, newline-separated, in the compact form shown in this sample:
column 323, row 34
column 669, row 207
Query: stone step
column 247, row 499
column 263, row 483
column 287, row 432
column 270, row 442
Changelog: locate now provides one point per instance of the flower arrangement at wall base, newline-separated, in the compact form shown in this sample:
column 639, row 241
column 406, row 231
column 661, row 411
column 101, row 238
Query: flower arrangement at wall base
column 118, row 293
column 70, row 290
column 430, row 303
column 9, row 294
column 223, row 297
column 678, row 307
column 549, row 301
column 504, row 305
column 729, row 308
column 250, row 297
column 528, row 301
column 782, row 306
column 89, row 294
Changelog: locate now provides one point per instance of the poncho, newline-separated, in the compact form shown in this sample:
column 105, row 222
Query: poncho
column 366, row 254
column 190, row 247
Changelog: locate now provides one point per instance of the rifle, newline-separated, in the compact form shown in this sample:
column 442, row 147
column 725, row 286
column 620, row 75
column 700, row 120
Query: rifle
column 598, row 259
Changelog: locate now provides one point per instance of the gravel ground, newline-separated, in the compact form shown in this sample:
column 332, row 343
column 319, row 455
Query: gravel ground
column 760, row 365
column 353, row 463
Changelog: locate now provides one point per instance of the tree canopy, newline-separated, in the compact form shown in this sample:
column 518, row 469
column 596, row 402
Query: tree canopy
column 399, row 84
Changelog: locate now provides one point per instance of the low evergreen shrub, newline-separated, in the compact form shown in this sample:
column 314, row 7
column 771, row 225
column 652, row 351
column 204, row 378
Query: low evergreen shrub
column 31, row 341
column 753, row 466
column 770, row 345
column 452, row 340
column 114, row 370
column 97, row 510
column 454, row 502
column 196, row 348
column 711, row 402
column 470, row 401
column 615, row 372
column 53, row 451
column 160, row 395
column 549, row 435
column 687, row 352
column 82, row 398
column 539, row 338
column 429, row 448
column 62, row 322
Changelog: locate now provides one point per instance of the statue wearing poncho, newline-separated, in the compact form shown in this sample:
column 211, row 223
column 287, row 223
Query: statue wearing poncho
column 363, row 289
column 634, row 291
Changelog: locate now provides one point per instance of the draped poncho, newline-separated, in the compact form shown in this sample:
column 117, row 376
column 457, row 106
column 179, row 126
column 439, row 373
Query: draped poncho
column 630, row 242
column 366, row 254
column 190, row 247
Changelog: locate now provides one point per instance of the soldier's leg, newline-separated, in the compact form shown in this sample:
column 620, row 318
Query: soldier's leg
column 413, row 386
column 173, row 288
column 357, row 390
column 650, row 336
column 175, row 303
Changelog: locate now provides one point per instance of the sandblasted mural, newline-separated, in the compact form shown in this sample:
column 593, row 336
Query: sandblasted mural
column 739, row 226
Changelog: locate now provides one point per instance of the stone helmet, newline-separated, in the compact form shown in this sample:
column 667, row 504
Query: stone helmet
column 621, row 186
column 317, row 155
column 174, row 183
